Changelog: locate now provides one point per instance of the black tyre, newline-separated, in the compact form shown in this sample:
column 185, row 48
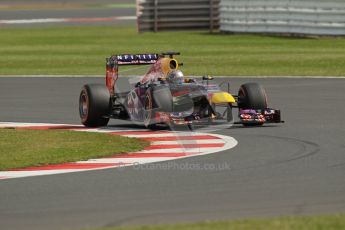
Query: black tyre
column 149, row 112
column 156, row 99
column 252, row 96
column 162, row 98
column 94, row 105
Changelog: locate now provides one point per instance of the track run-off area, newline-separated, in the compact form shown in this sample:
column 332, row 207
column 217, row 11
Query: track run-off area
column 164, row 146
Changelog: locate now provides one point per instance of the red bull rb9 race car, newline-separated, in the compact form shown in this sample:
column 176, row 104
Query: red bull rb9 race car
column 165, row 96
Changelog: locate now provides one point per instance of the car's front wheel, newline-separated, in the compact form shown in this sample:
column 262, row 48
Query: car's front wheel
column 252, row 96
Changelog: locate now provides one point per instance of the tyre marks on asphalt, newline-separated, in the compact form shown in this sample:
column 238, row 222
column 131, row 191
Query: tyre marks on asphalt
column 292, row 149
column 164, row 146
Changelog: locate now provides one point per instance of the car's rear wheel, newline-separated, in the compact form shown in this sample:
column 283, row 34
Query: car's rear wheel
column 157, row 98
column 149, row 112
column 162, row 98
column 94, row 105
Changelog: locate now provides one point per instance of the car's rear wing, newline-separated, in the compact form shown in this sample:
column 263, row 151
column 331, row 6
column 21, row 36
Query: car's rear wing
column 113, row 63
column 138, row 59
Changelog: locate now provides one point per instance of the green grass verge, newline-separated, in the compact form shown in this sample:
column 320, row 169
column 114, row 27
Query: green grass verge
column 23, row 148
column 283, row 223
column 82, row 50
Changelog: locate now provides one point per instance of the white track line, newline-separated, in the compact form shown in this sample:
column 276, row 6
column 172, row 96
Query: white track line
column 181, row 142
column 65, row 20
column 175, row 150
column 32, row 21
column 126, row 160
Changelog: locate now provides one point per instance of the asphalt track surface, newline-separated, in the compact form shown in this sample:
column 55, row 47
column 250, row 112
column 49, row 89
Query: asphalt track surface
column 294, row 168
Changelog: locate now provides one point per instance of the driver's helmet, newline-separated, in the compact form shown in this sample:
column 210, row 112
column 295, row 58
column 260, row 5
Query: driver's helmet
column 175, row 77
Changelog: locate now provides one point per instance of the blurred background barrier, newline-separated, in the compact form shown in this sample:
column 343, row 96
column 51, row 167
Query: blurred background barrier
column 300, row 17
column 163, row 15
column 289, row 17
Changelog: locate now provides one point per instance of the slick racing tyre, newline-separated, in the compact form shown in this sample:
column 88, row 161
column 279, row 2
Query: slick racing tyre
column 149, row 113
column 156, row 99
column 162, row 98
column 94, row 105
column 252, row 96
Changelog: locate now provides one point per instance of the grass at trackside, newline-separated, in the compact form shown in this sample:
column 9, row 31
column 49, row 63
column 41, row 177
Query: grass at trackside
column 82, row 50
column 331, row 222
column 22, row 148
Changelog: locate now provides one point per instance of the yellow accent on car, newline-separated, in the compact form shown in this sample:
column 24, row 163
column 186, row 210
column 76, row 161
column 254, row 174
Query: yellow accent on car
column 168, row 64
column 207, row 77
column 222, row 97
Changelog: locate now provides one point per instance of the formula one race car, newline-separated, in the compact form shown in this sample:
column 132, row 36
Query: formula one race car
column 165, row 96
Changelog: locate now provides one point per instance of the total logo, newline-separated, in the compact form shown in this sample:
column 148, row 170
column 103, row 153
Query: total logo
column 137, row 57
